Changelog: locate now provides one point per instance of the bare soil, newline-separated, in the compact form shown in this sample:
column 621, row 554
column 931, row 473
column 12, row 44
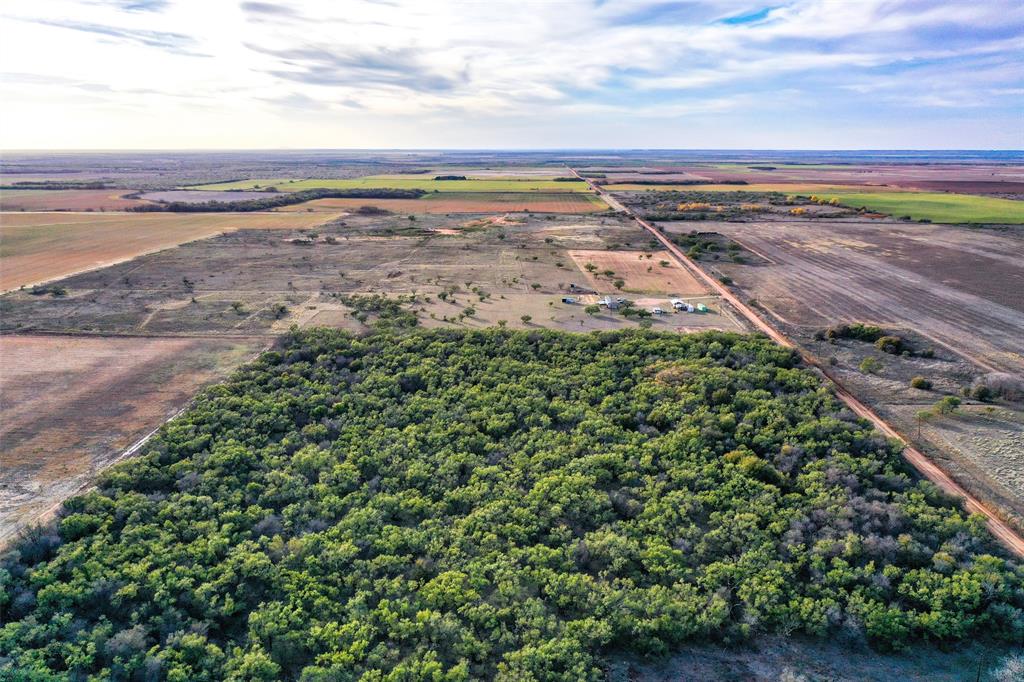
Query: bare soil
column 959, row 287
column 66, row 200
column 658, row 273
column 70, row 405
column 38, row 247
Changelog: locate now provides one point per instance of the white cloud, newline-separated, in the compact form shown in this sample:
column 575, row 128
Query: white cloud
column 159, row 73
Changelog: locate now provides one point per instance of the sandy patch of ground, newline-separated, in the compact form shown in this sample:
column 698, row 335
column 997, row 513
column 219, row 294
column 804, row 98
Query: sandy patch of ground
column 657, row 274
column 70, row 405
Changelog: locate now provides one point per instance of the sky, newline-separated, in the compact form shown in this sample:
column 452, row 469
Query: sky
column 224, row 74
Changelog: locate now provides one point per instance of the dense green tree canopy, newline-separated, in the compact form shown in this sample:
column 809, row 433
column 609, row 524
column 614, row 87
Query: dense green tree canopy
column 452, row 505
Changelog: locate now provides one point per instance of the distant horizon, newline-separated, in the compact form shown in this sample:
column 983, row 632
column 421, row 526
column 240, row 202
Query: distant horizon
column 833, row 150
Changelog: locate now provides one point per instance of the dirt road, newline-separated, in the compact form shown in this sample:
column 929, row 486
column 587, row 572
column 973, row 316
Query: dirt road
column 1006, row 535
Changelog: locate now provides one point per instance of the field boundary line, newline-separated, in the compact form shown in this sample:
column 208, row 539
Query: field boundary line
column 47, row 514
column 107, row 264
column 1000, row 530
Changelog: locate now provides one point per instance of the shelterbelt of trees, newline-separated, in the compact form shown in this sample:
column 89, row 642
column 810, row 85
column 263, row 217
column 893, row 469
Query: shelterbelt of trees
column 266, row 203
column 513, row 505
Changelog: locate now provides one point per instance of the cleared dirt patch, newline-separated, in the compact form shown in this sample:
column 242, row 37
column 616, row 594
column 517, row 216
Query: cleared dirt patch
column 70, row 405
column 657, row 274
column 66, row 200
column 37, row 247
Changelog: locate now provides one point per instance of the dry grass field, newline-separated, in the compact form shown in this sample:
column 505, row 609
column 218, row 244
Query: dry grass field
column 254, row 282
column 66, row 200
column 465, row 202
column 642, row 272
column 70, row 405
column 38, row 247
column 960, row 287
column 394, row 181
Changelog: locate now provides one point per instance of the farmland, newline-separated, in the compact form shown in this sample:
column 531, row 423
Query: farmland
column 407, row 182
column 493, row 301
column 956, row 291
column 964, row 291
column 504, row 487
column 936, row 207
column 255, row 281
column 781, row 187
column 71, row 405
column 37, row 247
column 466, row 202
column 65, row 200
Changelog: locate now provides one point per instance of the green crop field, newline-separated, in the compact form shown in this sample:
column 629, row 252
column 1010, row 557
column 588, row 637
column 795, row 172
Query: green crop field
column 783, row 187
column 404, row 182
column 937, row 207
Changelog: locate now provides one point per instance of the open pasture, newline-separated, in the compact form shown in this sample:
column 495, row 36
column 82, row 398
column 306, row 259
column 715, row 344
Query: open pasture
column 781, row 187
column 975, row 178
column 466, row 202
column 66, row 200
column 948, row 283
column 424, row 182
column 641, row 271
column 254, row 282
column 37, row 247
column 70, row 405
column 936, row 206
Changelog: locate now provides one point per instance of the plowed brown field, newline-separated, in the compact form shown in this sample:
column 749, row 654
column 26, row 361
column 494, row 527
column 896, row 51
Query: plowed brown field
column 70, row 405
column 37, row 247
column 66, row 200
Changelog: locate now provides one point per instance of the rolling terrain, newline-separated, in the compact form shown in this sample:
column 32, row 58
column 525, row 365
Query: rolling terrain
column 648, row 502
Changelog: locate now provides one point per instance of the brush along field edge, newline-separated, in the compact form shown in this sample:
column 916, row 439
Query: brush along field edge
column 1002, row 532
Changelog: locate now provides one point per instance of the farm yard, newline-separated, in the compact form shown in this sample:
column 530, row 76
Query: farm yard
column 70, row 405
column 38, row 247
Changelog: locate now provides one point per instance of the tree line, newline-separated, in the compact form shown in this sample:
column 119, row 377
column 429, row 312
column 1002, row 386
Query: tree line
column 496, row 504
column 266, row 203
